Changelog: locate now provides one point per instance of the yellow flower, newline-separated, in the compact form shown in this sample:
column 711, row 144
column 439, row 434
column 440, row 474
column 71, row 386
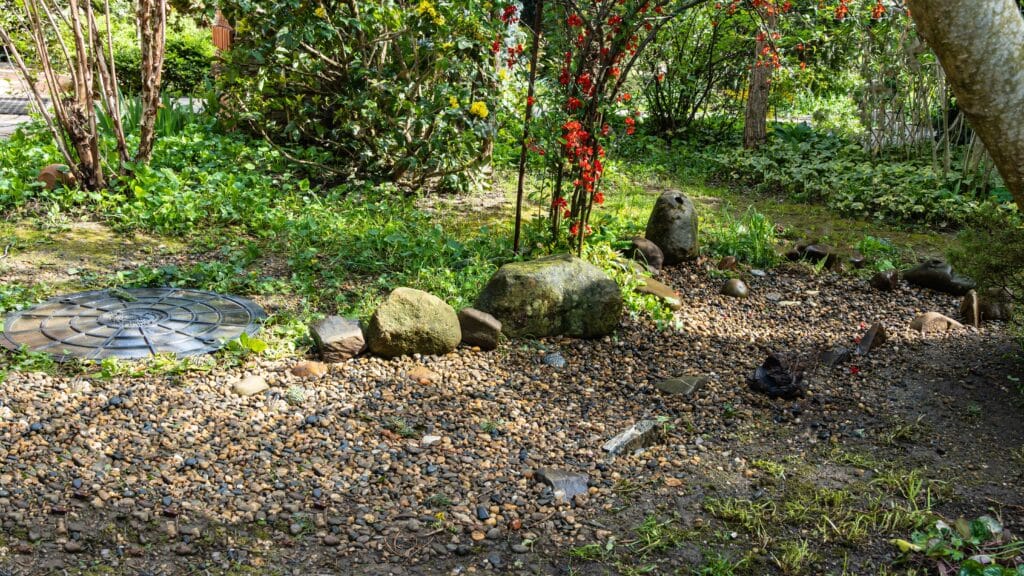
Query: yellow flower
column 479, row 108
column 425, row 7
column 453, row 101
column 321, row 12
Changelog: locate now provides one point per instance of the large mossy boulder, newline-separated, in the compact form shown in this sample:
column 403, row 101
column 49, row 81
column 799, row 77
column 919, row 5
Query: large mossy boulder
column 673, row 227
column 555, row 295
column 412, row 321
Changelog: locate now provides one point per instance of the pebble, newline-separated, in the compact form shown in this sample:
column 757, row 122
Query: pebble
column 309, row 369
column 555, row 360
column 250, row 385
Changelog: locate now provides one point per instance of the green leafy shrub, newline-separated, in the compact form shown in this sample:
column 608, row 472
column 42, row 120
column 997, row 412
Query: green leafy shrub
column 991, row 251
column 398, row 90
column 21, row 156
column 187, row 62
column 813, row 167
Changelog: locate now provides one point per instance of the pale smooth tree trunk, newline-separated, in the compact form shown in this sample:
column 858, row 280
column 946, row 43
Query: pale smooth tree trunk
column 755, row 119
column 980, row 44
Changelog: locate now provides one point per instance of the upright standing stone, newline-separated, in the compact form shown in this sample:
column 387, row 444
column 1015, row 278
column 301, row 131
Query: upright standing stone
column 337, row 339
column 552, row 296
column 673, row 227
column 412, row 321
column 969, row 309
column 479, row 328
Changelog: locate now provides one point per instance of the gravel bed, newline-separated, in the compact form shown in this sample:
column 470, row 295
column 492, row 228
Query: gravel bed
column 372, row 468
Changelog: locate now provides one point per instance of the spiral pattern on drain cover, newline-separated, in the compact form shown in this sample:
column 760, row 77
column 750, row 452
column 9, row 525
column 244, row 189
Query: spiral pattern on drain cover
column 132, row 323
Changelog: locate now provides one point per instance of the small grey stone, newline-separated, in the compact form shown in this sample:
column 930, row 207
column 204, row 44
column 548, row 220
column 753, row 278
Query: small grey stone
column 495, row 559
column 479, row 328
column 736, row 288
column 684, row 385
column 338, row 339
column 554, row 359
column 639, row 435
column 73, row 546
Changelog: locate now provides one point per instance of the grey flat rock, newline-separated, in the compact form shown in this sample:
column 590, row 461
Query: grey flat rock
column 564, row 484
column 683, row 385
column 639, row 435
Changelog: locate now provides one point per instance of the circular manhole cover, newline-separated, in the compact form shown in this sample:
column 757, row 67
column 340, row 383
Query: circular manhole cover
column 131, row 323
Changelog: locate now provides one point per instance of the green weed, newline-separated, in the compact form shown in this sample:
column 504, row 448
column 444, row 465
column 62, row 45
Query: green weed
column 750, row 238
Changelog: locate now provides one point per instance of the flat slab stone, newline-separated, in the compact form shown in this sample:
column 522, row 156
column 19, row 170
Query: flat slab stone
column 639, row 435
column 683, row 385
column 563, row 483
column 661, row 291
column 873, row 338
column 836, row 356
column 934, row 322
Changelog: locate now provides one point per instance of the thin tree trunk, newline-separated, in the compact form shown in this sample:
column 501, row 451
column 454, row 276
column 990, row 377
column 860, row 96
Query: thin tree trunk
column 152, row 17
column 980, row 44
column 755, row 120
column 535, row 50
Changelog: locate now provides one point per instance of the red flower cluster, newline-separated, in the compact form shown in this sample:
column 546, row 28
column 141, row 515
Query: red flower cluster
column 514, row 53
column 510, row 15
column 878, row 11
column 580, row 151
column 842, row 10
column 575, row 229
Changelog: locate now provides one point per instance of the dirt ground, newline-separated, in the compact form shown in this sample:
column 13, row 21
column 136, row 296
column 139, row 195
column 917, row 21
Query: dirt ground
column 926, row 427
